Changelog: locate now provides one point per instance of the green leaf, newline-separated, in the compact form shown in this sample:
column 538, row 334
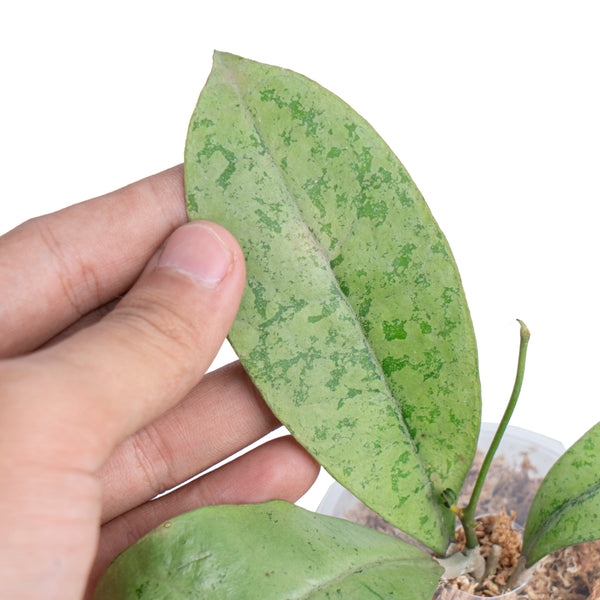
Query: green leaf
column 566, row 508
column 354, row 325
column 267, row 551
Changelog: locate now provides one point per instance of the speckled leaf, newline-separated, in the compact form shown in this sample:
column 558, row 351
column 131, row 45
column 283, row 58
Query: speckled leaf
column 354, row 324
column 566, row 508
column 271, row 551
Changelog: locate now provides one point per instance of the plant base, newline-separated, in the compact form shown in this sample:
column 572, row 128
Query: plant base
column 500, row 546
column 521, row 462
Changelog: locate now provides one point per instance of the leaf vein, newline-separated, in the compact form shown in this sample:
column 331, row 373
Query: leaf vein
column 326, row 259
column 550, row 522
column 355, row 570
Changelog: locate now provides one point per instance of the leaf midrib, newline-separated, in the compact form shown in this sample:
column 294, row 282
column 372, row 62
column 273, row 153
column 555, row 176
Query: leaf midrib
column 320, row 586
column 549, row 522
column 354, row 570
column 235, row 84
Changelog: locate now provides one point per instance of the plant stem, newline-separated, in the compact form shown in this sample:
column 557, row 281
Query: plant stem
column 467, row 515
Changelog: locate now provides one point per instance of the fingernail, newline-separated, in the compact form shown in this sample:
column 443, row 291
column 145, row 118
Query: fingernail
column 198, row 251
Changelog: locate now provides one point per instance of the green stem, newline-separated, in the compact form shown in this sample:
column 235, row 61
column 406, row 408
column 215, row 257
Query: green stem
column 467, row 515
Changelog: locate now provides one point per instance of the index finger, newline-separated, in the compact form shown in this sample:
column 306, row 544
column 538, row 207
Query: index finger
column 56, row 268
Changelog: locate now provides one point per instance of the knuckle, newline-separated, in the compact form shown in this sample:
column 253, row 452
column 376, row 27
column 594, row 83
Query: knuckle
column 132, row 527
column 151, row 455
column 162, row 325
column 78, row 280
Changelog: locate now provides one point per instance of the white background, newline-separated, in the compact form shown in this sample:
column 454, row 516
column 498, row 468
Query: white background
column 493, row 107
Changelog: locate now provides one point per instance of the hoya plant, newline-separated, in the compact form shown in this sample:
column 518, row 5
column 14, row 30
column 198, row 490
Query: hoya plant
column 355, row 328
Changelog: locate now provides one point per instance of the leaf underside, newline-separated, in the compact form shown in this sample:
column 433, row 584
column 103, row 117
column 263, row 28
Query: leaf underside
column 353, row 325
column 267, row 552
column 566, row 508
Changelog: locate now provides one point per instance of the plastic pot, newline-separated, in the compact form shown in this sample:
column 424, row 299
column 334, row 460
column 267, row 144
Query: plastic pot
column 521, row 462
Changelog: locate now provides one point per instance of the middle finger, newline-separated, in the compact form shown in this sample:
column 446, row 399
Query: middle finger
column 222, row 415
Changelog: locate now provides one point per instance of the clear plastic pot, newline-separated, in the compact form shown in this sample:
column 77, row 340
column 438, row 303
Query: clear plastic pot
column 520, row 464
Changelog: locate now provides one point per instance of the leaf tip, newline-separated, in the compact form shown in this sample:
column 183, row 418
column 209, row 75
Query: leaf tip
column 225, row 59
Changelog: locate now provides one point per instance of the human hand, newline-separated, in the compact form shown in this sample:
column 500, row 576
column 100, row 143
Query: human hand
column 101, row 403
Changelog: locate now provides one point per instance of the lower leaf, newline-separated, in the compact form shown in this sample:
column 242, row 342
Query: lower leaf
column 270, row 551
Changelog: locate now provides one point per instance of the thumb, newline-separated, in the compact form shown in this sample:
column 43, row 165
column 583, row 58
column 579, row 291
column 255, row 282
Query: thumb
column 107, row 381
